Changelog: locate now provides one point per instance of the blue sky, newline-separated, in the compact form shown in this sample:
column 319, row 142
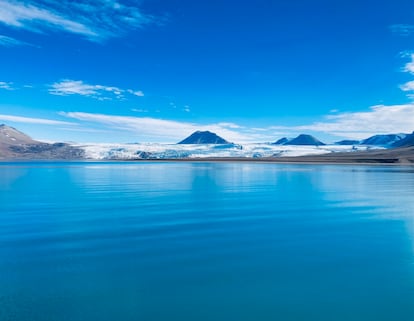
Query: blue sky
column 156, row 70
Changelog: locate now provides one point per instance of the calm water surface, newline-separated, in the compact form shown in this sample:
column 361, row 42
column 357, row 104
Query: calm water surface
column 205, row 241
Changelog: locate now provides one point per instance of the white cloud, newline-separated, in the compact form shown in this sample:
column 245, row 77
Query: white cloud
column 139, row 110
column 28, row 120
column 409, row 86
column 153, row 129
column 409, row 66
column 378, row 120
column 95, row 20
column 68, row 87
column 230, row 125
column 35, row 18
column 11, row 42
column 138, row 93
column 6, row 85
column 402, row 29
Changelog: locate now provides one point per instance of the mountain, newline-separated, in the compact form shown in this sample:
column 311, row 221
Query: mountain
column 11, row 136
column 281, row 141
column 348, row 142
column 405, row 142
column 17, row 145
column 305, row 140
column 383, row 140
column 205, row 137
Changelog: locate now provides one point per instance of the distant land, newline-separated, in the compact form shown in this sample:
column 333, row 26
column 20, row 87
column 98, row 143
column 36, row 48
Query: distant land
column 205, row 145
column 387, row 140
column 348, row 142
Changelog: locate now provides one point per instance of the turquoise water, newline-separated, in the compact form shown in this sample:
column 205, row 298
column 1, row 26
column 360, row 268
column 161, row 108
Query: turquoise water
column 206, row 241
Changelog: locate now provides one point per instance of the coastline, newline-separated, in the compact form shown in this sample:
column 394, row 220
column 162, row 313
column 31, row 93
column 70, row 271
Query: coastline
column 397, row 156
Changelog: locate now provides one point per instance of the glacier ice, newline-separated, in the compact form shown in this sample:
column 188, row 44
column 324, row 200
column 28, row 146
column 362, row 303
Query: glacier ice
column 176, row 151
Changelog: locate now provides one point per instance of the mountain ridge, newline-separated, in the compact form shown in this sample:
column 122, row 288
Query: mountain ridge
column 405, row 142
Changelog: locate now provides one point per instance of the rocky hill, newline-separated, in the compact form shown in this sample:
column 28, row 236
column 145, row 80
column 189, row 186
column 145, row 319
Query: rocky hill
column 17, row 145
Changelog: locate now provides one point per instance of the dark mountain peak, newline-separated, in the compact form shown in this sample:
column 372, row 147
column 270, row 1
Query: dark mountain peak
column 204, row 137
column 281, row 141
column 383, row 140
column 304, row 139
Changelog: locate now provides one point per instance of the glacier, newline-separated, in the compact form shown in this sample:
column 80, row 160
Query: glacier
column 131, row 151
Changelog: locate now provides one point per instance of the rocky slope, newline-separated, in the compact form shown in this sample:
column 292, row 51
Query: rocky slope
column 17, row 145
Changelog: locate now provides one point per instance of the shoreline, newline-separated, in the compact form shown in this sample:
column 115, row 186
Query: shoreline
column 397, row 156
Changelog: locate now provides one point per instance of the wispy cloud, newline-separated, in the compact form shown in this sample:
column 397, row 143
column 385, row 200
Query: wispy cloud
column 139, row 110
column 137, row 93
column 68, row 87
column 408, row 86
column 28, row 120
column 153, row 129
column 94, row 20
column 402, row 29
column 378, row 120
column 409, row 66
column 11, row 42
column 36, row 17
column 6, row 85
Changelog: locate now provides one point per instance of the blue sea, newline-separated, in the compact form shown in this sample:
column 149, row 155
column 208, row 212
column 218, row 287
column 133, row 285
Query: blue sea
column 201, row 241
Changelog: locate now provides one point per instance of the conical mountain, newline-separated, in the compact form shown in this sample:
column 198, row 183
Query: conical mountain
column 204, row 137
column 304, row 139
